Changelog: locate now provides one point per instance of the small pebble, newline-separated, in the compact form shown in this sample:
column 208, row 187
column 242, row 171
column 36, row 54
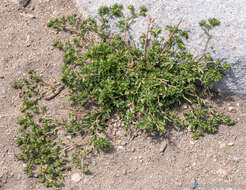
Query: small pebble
column 120, row 147
column 24, row 3
column 193, row 183
column 163, row 147
column 76, row 177
column 124, row 171
column 236, row 159
column 232, row 109
column 230, row 144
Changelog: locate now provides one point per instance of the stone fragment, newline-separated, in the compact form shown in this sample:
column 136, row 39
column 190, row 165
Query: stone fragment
column 124, row 171
column 163, row 147
column 193, row 183
column 23, row 3
column 235, row 159
column 230, row 144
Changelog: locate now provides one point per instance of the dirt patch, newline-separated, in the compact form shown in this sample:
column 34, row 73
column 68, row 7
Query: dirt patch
column 136, row 163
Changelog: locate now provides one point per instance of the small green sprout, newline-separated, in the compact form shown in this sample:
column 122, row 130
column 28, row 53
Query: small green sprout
column 143, row 10
column 17, row 85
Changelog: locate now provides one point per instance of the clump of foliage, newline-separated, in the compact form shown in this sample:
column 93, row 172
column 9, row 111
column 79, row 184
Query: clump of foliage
column 141, row 85
column 142, row 82
column 43, row 153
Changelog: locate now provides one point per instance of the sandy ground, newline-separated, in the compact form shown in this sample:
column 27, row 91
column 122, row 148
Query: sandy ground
column 216, row 161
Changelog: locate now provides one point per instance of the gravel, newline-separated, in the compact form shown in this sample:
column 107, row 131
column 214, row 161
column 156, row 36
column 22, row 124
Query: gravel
column 228, row 39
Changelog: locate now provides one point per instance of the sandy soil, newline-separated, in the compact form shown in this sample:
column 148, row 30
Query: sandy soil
column 215, row 162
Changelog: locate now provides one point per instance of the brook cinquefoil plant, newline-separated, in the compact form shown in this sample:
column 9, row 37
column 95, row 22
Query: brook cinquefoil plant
column 140, row 84
column 139, row 81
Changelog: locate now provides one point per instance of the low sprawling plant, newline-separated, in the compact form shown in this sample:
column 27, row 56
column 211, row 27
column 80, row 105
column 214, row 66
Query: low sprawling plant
column 141, row 82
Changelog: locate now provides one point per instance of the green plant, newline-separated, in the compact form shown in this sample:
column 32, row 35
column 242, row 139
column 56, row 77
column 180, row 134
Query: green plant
column 140, row 82
column 41, row 154
column 205, row 120
column 141, row 85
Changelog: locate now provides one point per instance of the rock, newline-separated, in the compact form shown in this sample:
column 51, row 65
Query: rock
column 120, row 147
column 185, row 106
column 76, row 177
column 193, row 183
column 124, row 171
column 230, row 144
column 163, row 147
column 232, row 109
column 222, row 145
column 235, row 159
column 24, row 3
column 1, row 77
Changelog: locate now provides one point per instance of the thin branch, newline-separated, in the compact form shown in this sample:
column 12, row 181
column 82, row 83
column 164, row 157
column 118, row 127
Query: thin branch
column 133, row 42
column 147, row 34
column 55, row 94
column 204, row 50
column 187, row 99
column 171, row 35
column 124, row 40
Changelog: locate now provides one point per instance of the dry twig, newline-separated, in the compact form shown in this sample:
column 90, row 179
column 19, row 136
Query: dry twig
column 171, row 35
column 147, row 34
column 60, row 89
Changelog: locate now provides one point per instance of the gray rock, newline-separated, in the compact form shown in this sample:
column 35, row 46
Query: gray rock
column 163, row 147
column 228, row 38
column 23, row 3
column 193, row 183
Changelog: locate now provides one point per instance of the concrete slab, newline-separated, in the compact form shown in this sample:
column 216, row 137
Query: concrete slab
column 229, row 39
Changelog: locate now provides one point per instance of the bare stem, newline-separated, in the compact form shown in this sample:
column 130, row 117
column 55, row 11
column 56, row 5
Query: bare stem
column 171, row 35
column 147, row 34
column 124, row 40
